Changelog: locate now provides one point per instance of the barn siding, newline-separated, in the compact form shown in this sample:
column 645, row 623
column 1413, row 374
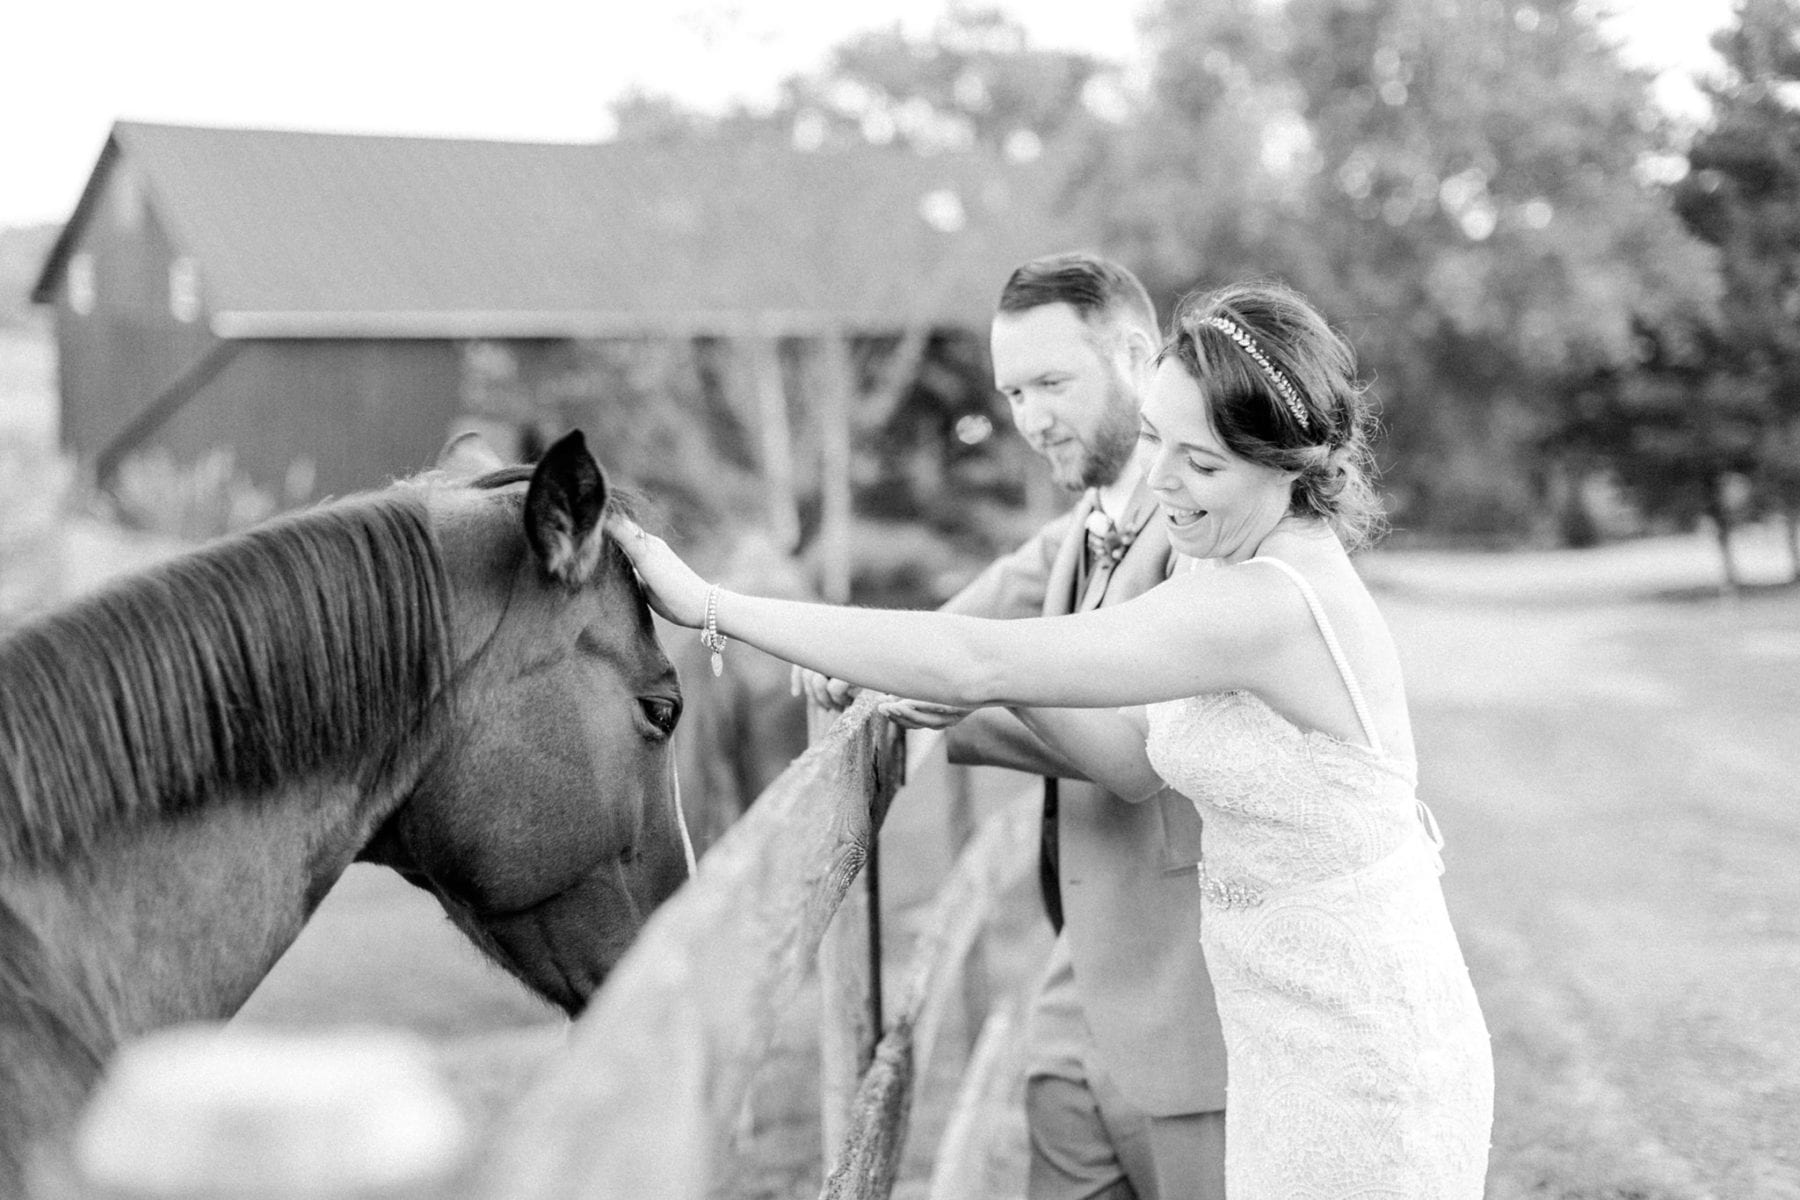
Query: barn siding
column 363, row 412
column 116, row 358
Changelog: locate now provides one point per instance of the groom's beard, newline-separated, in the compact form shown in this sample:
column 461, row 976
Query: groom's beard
column 1112, row 443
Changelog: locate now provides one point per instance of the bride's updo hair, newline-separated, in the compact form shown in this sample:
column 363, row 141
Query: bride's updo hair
column 1281, row 391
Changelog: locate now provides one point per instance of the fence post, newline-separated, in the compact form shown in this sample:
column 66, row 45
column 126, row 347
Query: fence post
column 850, row 965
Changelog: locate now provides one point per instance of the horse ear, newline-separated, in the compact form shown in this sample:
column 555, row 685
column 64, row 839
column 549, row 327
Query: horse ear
column 563, row 508
column 468, row 455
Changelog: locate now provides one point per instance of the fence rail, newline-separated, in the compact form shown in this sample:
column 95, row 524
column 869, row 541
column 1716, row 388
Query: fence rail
column 660, row 1064
column 648, row 1098
column 1000, row 857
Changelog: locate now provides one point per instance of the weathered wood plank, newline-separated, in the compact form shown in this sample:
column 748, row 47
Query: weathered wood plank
column 659, row 1065
column 977, row 997
column 983, row 1152
column 847, row 1034
column 1002, row 854
column 869, row 1158
column 847, row 1027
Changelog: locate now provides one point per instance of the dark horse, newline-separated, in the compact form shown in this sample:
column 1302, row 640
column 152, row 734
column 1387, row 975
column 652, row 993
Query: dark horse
column 456, row 677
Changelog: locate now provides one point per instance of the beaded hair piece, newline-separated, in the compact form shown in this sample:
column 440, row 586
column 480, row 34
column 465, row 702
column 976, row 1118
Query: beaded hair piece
column 1276, row 376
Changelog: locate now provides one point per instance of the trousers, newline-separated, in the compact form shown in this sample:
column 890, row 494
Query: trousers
column 1088, row 1140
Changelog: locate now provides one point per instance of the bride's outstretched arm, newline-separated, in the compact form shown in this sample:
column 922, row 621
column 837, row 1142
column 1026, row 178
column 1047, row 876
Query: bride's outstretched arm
column 1207, row 631
column 1106, row 744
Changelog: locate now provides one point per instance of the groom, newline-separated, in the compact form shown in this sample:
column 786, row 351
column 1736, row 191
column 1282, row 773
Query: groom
column 1125, row 1094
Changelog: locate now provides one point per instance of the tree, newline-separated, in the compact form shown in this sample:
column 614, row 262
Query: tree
column 640, row 116
column 923, row 402
column 1460, row 184
column 1485, row 168
column 1191, row 187
column 1679, row 433
column 1743, row 196
column 976, row 80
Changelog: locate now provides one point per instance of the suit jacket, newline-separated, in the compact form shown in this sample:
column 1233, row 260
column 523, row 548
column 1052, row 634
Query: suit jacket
column 1131, row 899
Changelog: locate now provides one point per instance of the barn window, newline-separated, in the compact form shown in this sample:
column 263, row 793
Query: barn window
column 184, row 289
column 81, row 283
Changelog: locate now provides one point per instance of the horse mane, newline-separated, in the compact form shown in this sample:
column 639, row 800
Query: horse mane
column 283, row 652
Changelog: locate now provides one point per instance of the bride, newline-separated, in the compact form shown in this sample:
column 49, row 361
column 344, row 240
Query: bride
column 1268, row 691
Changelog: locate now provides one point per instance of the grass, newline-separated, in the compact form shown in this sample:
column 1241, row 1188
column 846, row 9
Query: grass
column 1617, row 782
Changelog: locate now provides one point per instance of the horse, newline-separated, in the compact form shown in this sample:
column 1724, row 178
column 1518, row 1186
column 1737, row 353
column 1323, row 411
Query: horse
column 456, row 676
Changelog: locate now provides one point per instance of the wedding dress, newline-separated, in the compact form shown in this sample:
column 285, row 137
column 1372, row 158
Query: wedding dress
column 1357, row 1060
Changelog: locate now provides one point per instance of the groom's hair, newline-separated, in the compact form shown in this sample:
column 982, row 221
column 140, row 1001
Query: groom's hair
column 1102, row 292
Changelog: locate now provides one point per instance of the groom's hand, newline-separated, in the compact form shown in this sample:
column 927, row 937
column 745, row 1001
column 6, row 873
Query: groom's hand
column 921, row 714
column 832, row 695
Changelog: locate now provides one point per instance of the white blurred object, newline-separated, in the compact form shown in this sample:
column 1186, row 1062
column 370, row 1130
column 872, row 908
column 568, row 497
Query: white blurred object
column 206, row 1110
column 942, row 209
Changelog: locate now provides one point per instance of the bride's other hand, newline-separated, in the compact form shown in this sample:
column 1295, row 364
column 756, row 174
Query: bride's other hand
column 674, row 590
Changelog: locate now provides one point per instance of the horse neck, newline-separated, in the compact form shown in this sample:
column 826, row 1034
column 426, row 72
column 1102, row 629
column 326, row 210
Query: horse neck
column 179, row 919
column 169, row 921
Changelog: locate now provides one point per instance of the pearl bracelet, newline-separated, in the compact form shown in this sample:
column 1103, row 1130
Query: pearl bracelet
column 710, row 637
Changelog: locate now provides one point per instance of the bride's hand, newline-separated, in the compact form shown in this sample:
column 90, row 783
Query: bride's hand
column 675, row 591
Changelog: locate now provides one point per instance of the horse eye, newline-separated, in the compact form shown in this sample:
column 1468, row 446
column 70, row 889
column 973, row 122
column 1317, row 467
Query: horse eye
column 662, row 712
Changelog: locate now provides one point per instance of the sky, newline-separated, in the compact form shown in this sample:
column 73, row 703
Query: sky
column 542, row 70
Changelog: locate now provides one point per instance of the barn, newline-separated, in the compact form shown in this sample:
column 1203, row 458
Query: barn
column 317, row 303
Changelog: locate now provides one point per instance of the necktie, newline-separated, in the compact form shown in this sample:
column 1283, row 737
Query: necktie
column 1104, row 548
column 1048, row 853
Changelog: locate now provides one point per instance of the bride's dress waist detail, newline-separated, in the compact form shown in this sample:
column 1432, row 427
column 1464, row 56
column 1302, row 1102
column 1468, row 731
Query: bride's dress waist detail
column 1284, row 807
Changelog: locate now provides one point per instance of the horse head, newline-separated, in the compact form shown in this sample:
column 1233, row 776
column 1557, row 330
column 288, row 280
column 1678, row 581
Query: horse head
column 545, row 821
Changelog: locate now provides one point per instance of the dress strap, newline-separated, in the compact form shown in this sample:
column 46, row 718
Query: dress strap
column 1331, row 643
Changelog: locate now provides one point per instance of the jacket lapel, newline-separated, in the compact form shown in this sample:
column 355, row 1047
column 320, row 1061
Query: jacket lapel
column 1135, row 527
column 1059, row 591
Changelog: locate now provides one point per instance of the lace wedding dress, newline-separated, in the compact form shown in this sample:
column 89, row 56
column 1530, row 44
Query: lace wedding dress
column 1358, row 1061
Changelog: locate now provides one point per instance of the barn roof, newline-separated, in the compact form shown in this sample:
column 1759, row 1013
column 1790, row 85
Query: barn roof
column 300, row 234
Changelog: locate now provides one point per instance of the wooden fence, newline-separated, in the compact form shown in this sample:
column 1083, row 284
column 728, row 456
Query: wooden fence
column 648, row 1098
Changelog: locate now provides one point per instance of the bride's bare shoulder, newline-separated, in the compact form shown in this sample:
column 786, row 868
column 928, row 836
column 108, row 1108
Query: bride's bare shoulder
column 1248, row 599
